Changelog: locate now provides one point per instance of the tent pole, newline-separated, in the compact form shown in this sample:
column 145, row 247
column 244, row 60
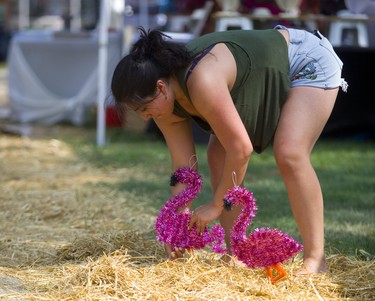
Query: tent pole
column 102, row 70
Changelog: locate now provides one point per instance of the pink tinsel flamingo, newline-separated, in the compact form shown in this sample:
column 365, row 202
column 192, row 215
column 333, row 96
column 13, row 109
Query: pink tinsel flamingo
column 263, row 248
column 172, row 226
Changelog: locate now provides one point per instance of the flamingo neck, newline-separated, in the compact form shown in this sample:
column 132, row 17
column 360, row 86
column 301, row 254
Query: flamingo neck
column 243, row 221
column 247, row 214
column 193, row 185
column 180, row 199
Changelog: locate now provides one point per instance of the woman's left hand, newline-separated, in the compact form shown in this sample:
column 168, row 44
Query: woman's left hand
column 204, row 215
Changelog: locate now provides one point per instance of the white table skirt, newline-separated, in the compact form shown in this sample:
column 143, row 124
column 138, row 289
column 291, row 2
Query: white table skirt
column 53, row 78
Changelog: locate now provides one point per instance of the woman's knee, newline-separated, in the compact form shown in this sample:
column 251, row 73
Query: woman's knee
column 289, row 157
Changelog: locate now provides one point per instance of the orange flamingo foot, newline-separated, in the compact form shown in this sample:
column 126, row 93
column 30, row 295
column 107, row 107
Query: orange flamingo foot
column 279, row 271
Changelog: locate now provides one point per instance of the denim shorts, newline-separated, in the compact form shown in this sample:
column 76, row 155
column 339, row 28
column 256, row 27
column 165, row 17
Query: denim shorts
column 313, row 61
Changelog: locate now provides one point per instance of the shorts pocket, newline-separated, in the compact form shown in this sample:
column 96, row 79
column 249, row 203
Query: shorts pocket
column 324, row 42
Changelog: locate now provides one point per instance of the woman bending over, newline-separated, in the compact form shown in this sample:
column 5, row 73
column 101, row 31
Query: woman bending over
column 249, row 89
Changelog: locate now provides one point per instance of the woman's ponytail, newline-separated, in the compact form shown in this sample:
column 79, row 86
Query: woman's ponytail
column 152, row 57
column 157, row 46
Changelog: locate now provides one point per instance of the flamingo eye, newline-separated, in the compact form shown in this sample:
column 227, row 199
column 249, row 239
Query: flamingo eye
column 227, row 205
column 174, row 180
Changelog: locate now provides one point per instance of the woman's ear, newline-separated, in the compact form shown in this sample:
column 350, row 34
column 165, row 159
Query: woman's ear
column 162, row 85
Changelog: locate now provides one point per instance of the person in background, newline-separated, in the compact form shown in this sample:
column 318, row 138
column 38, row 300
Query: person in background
column 249, row 89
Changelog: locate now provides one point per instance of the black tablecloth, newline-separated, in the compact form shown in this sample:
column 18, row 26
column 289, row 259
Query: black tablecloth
column 354, row 111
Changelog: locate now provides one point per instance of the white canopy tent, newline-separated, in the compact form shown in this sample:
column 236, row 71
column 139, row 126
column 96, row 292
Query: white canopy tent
column 106, row 8
column 109, row 10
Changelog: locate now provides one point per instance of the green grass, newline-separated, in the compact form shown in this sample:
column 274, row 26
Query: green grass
column 346, row 170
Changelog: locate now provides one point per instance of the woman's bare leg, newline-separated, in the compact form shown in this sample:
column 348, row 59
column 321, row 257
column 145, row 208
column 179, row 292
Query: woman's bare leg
column 302, row 120
column 215, row 157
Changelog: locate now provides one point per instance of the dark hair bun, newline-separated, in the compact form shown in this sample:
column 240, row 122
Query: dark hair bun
column 149, row 43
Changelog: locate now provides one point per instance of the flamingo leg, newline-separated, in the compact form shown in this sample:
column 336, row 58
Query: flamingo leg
column 279, row 269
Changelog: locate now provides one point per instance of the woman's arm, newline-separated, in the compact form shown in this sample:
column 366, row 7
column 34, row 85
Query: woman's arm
column 179, row 138
column 209, row 87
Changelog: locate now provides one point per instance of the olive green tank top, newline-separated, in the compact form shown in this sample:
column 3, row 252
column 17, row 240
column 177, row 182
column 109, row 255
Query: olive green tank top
column 262, row 81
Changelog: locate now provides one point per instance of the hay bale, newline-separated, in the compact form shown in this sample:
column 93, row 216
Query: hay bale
column 199, row 276
column 65, row 237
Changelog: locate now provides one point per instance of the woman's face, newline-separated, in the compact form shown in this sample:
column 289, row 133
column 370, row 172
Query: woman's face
column 159, row 105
